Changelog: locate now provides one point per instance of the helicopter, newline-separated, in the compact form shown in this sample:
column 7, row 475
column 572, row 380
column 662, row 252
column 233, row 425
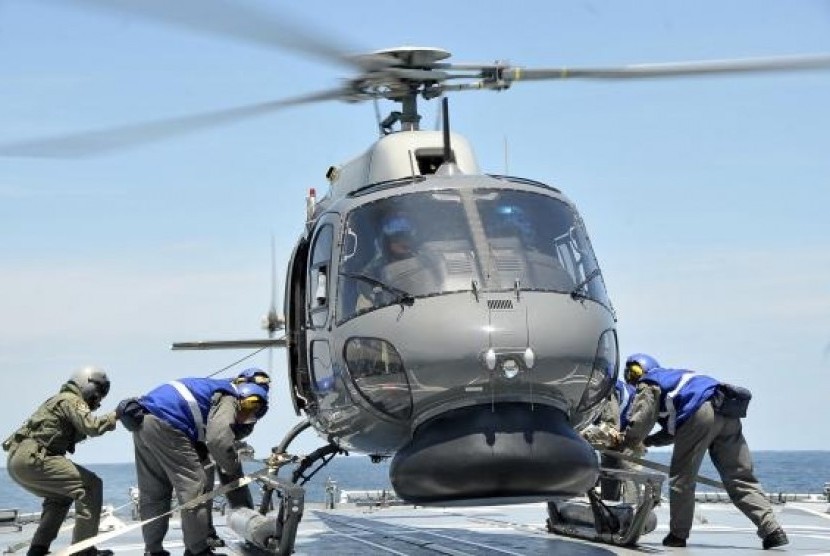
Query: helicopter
column 451, row 356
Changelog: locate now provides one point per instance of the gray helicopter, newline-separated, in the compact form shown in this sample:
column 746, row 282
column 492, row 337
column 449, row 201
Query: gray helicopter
column 454, row 321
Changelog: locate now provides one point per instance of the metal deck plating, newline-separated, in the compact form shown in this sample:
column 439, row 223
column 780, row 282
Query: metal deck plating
column 517, row 529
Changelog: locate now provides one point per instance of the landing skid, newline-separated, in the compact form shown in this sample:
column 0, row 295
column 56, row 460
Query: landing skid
column 272, row 528
column 610, row 522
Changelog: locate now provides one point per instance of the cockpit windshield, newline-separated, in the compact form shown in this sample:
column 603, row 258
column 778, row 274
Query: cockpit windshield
column 430, row 243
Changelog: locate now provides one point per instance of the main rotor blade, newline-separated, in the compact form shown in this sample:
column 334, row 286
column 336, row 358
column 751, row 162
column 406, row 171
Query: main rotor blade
column 676, row 69
column 78, row 145
column 233, row 19
column 230, row 344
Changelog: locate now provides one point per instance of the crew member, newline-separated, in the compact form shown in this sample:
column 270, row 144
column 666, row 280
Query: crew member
column 37, row 459
column 236, row 497
column 691, row 410
column 179, row 415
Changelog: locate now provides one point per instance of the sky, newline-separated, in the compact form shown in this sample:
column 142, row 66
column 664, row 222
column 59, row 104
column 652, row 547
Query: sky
column 706, row 199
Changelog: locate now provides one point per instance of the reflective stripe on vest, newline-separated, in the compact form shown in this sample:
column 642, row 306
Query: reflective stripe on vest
column 195, row 412
column 625, row 406
column 671, row 410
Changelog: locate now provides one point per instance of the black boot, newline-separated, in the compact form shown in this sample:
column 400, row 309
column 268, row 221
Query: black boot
column 37, row 550
column 674, row 541
column 775, row 539
column 92, row 551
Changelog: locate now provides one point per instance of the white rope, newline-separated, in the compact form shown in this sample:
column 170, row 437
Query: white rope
column 87, row 543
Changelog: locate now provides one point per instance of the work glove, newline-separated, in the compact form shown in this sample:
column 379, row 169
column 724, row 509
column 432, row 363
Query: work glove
column 278, row 459
column 130, row 413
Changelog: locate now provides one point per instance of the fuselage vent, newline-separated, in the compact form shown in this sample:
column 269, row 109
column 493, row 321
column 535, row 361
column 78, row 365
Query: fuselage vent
column 500, row 304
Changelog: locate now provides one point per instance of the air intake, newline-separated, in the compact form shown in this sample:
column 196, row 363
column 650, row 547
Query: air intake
column 500, row 304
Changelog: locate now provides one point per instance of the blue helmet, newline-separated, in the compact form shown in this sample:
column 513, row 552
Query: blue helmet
column 638, row 364
column 253, row 400
column 396, row 224
column 254, row 375
column 514, row 220
column 396, row 229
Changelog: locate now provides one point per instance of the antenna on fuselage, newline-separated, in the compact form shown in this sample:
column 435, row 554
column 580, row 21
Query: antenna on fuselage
column 448, row 167
column 449, row 157
column 506, row 157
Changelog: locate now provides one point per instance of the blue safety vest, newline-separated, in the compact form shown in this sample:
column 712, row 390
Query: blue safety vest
column 168, row 404
column 682, row 393
column 625, row 396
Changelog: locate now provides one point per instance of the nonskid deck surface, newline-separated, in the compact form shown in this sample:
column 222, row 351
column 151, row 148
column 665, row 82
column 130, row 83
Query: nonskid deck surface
column 518, row 530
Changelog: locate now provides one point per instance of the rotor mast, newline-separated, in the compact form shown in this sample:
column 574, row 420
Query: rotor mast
column 410, row 117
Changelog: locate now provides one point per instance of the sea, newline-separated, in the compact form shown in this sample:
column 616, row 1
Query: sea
column 800, row 472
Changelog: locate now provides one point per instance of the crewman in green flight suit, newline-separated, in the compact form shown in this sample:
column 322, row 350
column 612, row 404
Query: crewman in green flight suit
column 37, row 459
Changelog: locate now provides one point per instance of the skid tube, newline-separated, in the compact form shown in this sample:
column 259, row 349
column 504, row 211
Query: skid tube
column 274, row 529
column 614, row 523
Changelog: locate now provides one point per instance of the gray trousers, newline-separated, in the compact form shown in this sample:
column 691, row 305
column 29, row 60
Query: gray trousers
column 724, row 439
column 60, row 482
column 166, row 461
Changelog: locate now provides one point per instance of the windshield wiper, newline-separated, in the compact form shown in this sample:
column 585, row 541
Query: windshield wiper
column 576, row 293
column 401, row 297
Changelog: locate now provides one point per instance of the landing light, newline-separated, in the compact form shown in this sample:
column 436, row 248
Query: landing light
column 509, row 368
column 490, row 359
column 530, row 358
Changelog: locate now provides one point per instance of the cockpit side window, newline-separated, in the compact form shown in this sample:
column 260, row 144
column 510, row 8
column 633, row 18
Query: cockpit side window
column 319, row 276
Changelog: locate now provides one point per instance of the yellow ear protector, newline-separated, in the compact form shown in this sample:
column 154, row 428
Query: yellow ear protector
column 251, row 404
column 633, row 372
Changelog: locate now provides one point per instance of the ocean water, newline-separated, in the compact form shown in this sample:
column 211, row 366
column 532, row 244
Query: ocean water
column 778, row 471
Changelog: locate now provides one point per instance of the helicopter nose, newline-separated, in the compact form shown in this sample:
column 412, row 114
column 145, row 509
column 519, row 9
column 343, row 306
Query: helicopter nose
column 489, row 454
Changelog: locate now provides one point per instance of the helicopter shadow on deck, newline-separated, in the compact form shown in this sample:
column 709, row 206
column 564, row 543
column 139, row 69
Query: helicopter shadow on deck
column 416, row 534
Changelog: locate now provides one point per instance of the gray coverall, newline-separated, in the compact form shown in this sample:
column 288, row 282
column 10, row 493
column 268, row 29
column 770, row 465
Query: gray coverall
column 37, row 461
column 167, row 459
column 704, row 430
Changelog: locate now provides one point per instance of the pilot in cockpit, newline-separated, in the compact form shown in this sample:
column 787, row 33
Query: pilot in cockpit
column 395, row 260
column 397, row 238
column 516, row 241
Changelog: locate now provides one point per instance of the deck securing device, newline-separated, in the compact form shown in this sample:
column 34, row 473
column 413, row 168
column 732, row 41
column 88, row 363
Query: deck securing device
column 617, row 524
column 243, row 481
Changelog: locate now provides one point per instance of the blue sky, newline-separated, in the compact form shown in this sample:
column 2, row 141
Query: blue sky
column 705, row 198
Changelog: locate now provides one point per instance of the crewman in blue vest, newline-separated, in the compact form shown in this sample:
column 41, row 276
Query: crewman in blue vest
column 239, row 497
column 697, row 413
column 177, row 417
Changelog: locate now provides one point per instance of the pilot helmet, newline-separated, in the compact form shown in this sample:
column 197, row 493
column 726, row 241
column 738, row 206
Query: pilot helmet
column 253, row 402
column 254, row 375
column 397, row 234
column 93, row 383
column 513, row 220
column 637, row 365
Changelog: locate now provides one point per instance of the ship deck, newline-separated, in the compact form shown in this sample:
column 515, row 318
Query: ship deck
column 516, row 529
